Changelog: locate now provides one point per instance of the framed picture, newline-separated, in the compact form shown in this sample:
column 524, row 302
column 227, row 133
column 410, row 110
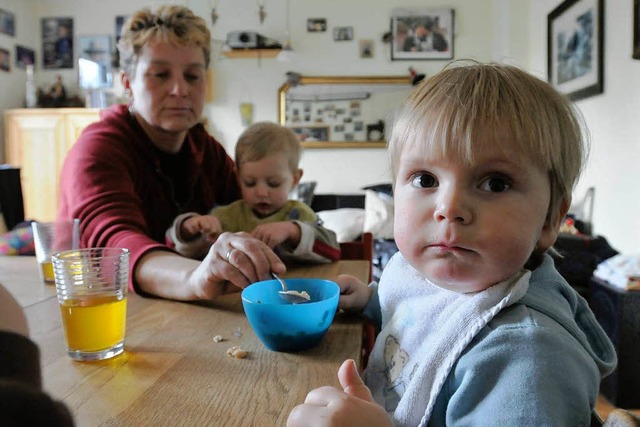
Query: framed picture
column 94, row 62
column 57, row 43
column 366, row 48
column 422, row 34
column 311, row 133
column 636, row 29
column 24, row 57
column 575, row 48
column 7, row 22
column 5, row 60
column 341, row 34
column 316, row 25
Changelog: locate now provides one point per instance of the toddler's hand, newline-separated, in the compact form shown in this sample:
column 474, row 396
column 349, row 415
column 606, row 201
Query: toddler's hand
column 354, row 294
column 194, row 226
column 276, row 233
column 351, row 406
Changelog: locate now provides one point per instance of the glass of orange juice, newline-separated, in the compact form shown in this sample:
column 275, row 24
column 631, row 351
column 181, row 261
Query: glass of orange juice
column 91, row 285
column 52, row 237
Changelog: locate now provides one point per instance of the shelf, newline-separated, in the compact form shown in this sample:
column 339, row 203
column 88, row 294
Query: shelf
column 251, row 53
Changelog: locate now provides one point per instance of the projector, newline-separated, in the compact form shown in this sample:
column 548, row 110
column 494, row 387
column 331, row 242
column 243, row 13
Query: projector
column 250, row 40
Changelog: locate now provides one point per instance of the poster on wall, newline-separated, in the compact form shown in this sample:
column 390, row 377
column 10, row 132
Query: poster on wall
column 575, row 48
column 24, row 57
column 422, row 34
column 57, row 43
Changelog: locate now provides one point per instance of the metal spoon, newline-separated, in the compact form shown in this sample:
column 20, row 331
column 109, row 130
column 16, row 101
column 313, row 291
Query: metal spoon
column 293, row 297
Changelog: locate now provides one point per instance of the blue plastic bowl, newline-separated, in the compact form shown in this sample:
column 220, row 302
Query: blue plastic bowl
column 282, row 326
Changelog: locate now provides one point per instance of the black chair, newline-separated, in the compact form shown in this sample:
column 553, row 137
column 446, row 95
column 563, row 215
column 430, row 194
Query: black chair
column 11, row 202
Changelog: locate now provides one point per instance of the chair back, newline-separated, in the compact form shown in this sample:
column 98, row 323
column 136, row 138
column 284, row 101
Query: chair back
column 359, row 249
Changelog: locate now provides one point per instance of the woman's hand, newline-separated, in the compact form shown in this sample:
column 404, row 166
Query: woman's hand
column 351, row 406
column 237, row 258
column 354, row 294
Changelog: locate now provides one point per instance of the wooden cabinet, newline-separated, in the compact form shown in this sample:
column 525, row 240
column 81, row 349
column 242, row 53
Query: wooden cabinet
column 37, row 141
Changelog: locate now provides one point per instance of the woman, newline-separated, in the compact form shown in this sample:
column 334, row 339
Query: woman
column 143, row 164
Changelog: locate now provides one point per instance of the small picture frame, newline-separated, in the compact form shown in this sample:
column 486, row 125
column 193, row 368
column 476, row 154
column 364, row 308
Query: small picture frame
column 636, row 30
column 366, row 49
column 312, row 133
column 5, row 60
column 575, row 48
column 341, row 34
column 422, row 34
column 316, row 25
column 24, row 57
column 7, row 23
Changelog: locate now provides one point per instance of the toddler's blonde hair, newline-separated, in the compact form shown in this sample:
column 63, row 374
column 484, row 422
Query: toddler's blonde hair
column 469, row 104
column 265, row 138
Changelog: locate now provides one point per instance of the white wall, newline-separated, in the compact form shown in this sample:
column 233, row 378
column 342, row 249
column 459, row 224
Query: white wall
column 257, row 81
column 12, row 84
column 505, row 30
column 614, row 122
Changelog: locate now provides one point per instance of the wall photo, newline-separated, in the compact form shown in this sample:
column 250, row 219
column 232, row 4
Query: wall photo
column 575, row 48
column 5, row 60
column 24, row 57
column 57, row 43
column 422, row 34
column 636, row 29
column 94, row 62
column 7, row 23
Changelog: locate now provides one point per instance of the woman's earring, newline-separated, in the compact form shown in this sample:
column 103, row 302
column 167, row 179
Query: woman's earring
column 127, row 93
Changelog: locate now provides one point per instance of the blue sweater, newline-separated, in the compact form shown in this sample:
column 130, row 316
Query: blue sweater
column 538, row 362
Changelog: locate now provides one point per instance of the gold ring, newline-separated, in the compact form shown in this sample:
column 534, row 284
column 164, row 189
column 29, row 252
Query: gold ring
column 228, row 255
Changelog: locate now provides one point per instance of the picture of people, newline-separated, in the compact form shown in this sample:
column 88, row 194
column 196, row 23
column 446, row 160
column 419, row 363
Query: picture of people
column 425, row 35
column 24, row 57
column 342, row 34
column 315, row 25
column 57, row 43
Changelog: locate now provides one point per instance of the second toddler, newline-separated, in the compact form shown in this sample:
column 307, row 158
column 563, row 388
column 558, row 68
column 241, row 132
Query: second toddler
column 267, row 159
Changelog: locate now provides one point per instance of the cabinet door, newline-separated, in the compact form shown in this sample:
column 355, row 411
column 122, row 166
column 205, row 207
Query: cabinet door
column 34, row 145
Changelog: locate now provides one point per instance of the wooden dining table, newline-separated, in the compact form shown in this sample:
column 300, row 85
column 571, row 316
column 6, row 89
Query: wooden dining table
column 172, row 372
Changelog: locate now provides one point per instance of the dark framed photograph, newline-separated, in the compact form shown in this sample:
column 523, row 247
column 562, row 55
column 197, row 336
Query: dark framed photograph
column 422, row 34
column 24, row 57
column 341, row 34
column 94, row 62
column 636, row 29
column 311, row 133
column 316, row 25
column 575, row 48
column 7, row 22
column 57, row 43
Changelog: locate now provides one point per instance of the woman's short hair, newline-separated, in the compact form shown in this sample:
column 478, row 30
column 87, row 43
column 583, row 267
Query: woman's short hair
column 503, row 104
column 172, row 23
column 265, row 138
